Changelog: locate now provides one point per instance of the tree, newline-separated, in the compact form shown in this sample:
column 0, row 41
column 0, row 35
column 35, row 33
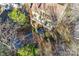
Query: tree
column 17, row 16
column 28, row 50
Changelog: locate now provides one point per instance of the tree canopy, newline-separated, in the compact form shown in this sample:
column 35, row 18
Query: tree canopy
column 28, row 50
column 17, row 16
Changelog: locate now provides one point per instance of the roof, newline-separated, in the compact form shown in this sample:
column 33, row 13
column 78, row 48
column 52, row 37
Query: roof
column 49, row 7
